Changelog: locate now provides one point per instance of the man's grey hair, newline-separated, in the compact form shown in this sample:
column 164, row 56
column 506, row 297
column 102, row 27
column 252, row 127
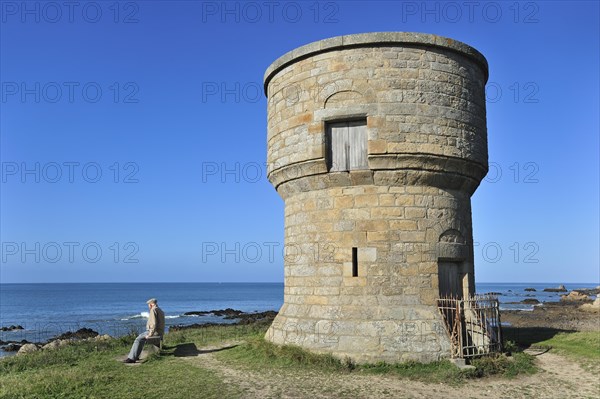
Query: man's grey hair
column 151, row 300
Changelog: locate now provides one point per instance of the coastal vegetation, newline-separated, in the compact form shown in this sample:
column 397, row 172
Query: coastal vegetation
column 234, row 360
column 92, row 369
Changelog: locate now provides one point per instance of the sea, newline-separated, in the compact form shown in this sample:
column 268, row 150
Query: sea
column 47, row 310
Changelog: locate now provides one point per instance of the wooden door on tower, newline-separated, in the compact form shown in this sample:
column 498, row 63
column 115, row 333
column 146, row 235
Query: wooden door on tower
column 450, row 280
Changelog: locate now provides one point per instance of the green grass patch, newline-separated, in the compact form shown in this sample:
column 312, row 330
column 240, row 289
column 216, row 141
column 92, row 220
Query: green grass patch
column 518, row 364
column 92, row 370
column 257, row 354
column 213, row 335
column 583, row 346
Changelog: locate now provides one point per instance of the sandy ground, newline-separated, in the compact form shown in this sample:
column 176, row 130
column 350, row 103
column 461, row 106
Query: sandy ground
column 559, row 377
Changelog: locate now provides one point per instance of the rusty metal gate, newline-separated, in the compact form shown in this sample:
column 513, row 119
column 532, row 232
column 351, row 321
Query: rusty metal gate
column 473, row 325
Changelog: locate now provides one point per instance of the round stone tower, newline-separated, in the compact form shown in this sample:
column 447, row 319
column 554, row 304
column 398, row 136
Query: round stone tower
column 376, row 143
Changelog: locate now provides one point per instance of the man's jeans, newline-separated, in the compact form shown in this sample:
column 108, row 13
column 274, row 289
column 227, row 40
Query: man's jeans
column 138, row 345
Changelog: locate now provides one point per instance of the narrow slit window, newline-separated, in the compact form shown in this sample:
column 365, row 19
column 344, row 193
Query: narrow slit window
column 354, row 262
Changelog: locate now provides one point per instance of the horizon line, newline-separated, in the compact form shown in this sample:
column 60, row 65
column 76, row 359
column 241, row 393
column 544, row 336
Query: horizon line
column 269, row 282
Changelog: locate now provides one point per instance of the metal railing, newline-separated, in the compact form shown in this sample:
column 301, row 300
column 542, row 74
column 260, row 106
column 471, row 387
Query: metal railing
column 473, row 325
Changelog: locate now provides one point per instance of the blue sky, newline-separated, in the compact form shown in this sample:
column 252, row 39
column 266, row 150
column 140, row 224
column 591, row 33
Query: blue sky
column 133, row 135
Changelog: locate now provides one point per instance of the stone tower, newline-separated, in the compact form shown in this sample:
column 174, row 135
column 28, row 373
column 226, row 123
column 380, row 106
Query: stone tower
column 376, row 143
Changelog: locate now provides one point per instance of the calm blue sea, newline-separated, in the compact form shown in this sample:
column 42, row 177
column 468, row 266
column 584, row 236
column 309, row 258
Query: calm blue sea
column 46, row 310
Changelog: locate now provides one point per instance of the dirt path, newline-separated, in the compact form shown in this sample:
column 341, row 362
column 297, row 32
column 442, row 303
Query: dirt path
column 559, row 377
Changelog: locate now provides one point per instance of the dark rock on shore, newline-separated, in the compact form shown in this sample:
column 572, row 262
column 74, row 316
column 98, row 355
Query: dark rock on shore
column 229, row 313
column 23, row 341
column 249, row 318
column 12, row 328
column 12, row 347
column 567, row 316
column 244, row 318
column 196, row 313
column 493, row 293
column 82, row 333
column 530, row 290
column 530, row 301
column 588, row 291
column 561, row 288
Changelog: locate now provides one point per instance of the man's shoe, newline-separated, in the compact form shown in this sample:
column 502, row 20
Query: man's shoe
column 128, row 360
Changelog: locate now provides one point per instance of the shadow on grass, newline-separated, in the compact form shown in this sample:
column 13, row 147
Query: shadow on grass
column 190, row 349
column 525, row 337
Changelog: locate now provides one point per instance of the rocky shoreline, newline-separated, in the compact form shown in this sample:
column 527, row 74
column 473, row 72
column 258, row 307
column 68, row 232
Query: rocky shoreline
column 575, row 311
column 82, row 334
column 243, row 318
column 564, row 315
column 25, row 346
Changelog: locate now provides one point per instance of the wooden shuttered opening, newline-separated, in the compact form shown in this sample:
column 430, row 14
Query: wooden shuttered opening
column 347, row 142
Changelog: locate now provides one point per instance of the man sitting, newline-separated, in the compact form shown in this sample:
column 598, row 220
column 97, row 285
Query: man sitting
column 155, row 327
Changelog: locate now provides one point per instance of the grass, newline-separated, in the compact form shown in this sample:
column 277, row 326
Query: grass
column 258, row 354
column 91, row 370
column 580, row 346
column 583, row 347
column 519, row 364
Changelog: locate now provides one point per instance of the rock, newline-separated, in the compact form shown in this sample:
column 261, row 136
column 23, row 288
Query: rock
column 104, row 337
column 574, row 296
column 82, row 333
column 561, row 288
column 51, row 345
column 591, row 307
column 222, row 312
column 230, row 313
column 12, row 328
column 588, row 291
column 530, row 301
column 12, row 347
column 249, row 318
column 244, row 318
column 530, row 290
column 493, row 293
column 196, row 313
column 28, row 348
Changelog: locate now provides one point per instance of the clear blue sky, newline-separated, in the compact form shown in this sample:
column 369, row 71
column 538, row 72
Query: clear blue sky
column 162, row 99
